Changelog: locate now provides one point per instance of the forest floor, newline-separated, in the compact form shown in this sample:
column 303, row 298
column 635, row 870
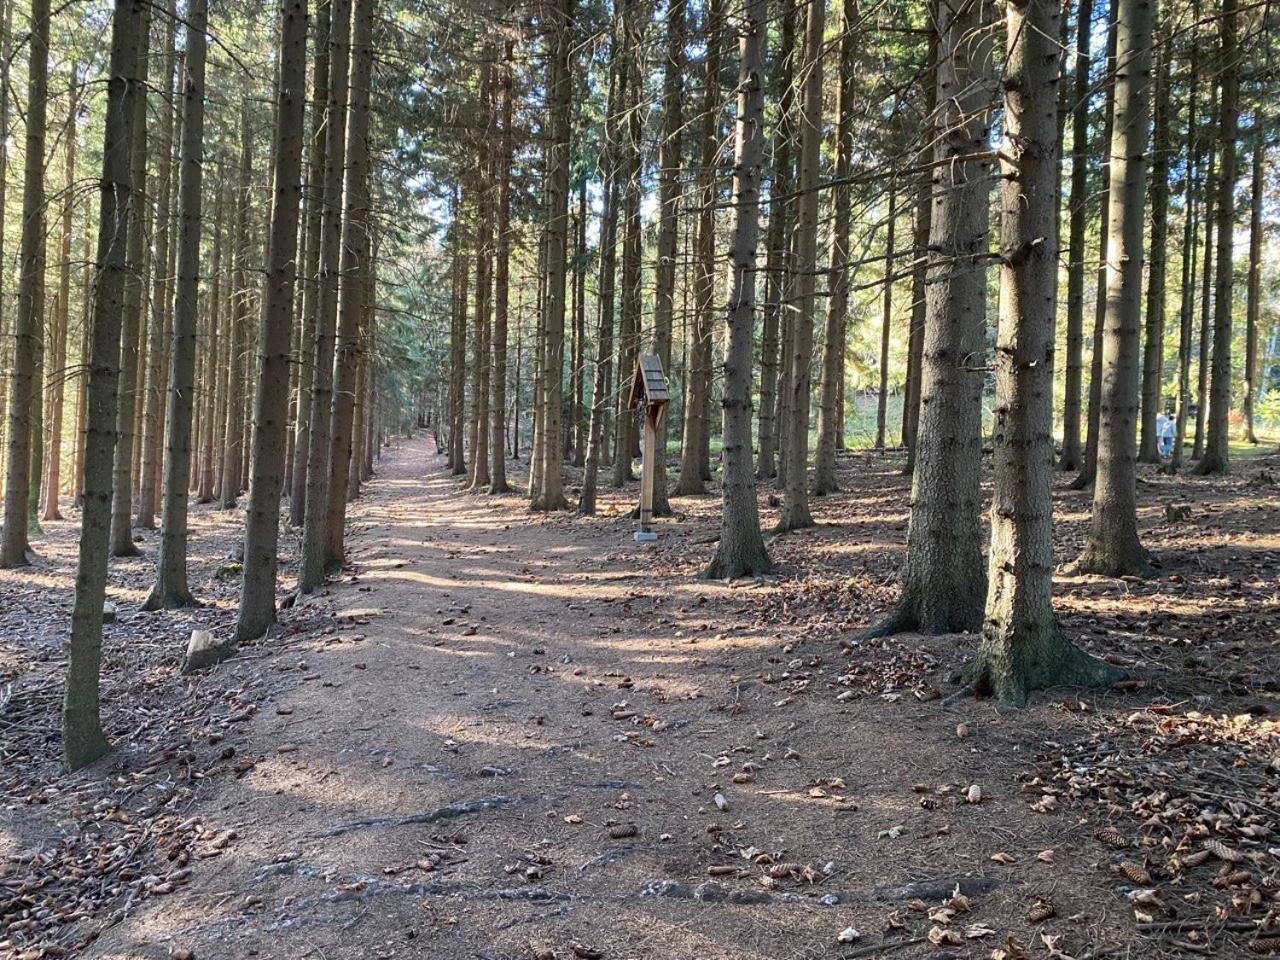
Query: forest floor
column 504, row 735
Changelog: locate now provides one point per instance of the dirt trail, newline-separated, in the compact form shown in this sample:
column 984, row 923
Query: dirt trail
column 508, row 737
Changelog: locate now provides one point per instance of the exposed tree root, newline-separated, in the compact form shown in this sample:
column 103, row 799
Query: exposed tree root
column 1101, row 561
column 724, row 567
column 448, row 812
column 1011, row 674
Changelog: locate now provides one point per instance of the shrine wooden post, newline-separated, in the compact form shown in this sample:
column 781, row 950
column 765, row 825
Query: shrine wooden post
column 649, row 398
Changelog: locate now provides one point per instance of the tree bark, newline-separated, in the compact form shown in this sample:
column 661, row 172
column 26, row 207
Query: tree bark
column 1254, row 309
column 1089, row 468
column 1153, row 334
column 311, row 563
column 630, row 163
column 550, row 492
column 82, row 378
column 25, row 386
column 318, row 138
column 1217, row 429
column 882, row 396
column 171, row 589
column 240, row 299
column 502, row 284
column 741, row 551
column 356, row 227
column 6, row 64
column 1190, row 235
column 154, row 394
column 664, row 287
column 698, row 379
column 778, row 242
column 262, row 519
column 213, row 365
column 122, row 544
column 1078, row 205
column 1112, row 548
column 576, row 431
column 944, row 581
column 479, row 475
column 610, row 177
column 1204, row 348
column 831, row 412
column 82, row 738
column 1022, row 648
column 795, row 505
column 58, row 369
column 920, row 261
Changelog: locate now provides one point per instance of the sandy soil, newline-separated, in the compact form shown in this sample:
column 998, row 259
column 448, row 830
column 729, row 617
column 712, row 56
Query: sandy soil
column 502, row 735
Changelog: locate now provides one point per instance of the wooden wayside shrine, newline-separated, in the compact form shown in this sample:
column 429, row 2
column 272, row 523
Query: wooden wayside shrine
column 649, row 397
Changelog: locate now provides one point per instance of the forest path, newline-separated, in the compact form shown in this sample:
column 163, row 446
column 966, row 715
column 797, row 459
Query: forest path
column 505, row 731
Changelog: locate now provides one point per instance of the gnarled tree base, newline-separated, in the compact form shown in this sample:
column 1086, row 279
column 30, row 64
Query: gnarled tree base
column 821, row 488
column 1210, row 464
column 1107, row 560
column 793, row 519
column 1011, row 669
column 82, row 747
column 689, row 485
column 549, row 504
column 930, row 615
column 161, row 598
column 734, row 561
column 1083, row 481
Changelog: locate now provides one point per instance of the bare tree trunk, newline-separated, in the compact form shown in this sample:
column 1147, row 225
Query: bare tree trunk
column 479, row 475
column 1153, row 335
column 625, row 433
column 1089, row 468
column 311, row 563
column 316, row 157
column 82, row 737
column 944, row 581
column 1210, row 194
column 741, row 551
column 550, row 493
column 577, row 424
column 610, row 176
column 1112, row 548
column 154, row 394
column 82, row 378
column 25, row 388
column 58, row 369
column 1078, row 206
column 920, row 261
column 356, row 227
column 697, row 396
column 233, row 451
column 206, row 489
column 778, row 243
column 1217, row 428
column 886, row 317
column 458, row 353
column 1254, row 310
column 1022, row 648
column 171, row 589
column 831, row 411
column 795, row 504
column 6, row 64
column 122, row 544
column 502, row 285
column 262, row 519
column 664, row 287
column 1188, row 297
